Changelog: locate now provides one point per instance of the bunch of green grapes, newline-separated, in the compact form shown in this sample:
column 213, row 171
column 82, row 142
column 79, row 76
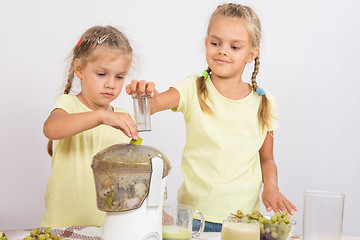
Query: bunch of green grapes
column 42, row 234
column 276, row 227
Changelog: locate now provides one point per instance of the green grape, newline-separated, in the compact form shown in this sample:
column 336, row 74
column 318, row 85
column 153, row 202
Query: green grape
column 28, row 238
column 41, row 237
column 267, row 230
column 48, row 230
column 38, row 231
column 274, row 218
column 261, row 226
column 274, row 235
column 32, row 233
column 245, row 219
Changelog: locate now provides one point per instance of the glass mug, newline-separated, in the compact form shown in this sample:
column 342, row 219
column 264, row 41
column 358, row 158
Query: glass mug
column 233, row 228
column 177, row 222
column 142, row 112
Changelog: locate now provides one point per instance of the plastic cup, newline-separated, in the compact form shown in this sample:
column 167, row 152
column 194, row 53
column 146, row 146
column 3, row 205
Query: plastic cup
column 235, row 229
column 177, row 222
column 142, row 112
column 322, row 215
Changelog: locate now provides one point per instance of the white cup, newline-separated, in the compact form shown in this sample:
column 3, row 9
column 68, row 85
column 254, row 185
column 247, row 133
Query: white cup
column 322, row 215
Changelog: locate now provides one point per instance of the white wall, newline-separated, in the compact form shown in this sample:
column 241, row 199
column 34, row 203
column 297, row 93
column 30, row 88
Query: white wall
column 309, row 61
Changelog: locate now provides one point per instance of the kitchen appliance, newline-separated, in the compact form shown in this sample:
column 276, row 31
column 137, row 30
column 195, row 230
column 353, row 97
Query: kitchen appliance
column 130, row 181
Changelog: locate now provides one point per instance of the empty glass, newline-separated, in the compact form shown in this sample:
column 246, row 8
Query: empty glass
column 142, row 112
column 322, row 215
column 177, row 222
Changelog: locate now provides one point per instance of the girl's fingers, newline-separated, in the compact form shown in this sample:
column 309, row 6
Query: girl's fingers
column 142, row 85
column 126, row 124
column 150, row 89
column 131, row 126
column 142, row 88
column 134, row 87
column 128, row 89
column 267, row 206
column 275, row 207
column 282, row 207
column 290, row 207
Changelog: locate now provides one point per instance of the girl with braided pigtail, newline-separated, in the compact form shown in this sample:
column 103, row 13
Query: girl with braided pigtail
column 84, row 123
column 228, row 155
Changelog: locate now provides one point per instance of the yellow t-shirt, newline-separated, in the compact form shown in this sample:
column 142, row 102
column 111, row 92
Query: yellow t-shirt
column 220, row 162
column 70, row 196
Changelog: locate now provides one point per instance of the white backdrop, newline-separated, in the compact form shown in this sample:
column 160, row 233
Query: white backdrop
column 309, row 62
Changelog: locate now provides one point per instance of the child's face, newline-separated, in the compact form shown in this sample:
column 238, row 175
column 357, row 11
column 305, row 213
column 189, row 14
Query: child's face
column 102, row 79
column 228, row 47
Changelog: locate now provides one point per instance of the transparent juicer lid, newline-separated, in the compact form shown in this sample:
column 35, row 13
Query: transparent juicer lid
column 122, row 175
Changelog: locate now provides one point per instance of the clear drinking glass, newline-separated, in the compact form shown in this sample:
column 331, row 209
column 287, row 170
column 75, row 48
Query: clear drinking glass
column 322, row 215
column 177, row 222
column 233, row 228
column 142, row 112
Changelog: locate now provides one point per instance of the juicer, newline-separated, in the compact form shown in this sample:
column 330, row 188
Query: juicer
column 130, row 182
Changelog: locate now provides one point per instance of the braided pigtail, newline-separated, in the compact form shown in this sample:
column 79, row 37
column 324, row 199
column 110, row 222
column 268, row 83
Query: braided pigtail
column 264, row 113
column 202, row 91
column 67, row 89
column 70, row 79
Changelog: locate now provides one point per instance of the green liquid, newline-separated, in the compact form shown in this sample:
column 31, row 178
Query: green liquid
column 175, row 233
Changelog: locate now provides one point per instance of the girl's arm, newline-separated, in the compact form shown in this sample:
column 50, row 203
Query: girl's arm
column 165, row 100
column 271, row 196
column 61, row 124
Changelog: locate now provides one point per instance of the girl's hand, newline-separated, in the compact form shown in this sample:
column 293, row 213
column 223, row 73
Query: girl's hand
column 274, row 200
column 121, row 121
column 141, row 88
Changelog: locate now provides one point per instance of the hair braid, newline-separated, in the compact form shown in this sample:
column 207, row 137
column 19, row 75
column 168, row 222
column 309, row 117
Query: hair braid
column 264, row 110
column 69, row 79
column 255, row 72
column 202, row 93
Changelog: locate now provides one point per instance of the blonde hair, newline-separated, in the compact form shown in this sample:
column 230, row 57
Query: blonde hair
column 98, row 35
column 254, row 29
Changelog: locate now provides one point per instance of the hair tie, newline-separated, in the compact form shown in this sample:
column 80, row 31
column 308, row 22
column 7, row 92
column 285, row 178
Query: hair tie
column 260, row 91
column 205, row 74
column 79, row 42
